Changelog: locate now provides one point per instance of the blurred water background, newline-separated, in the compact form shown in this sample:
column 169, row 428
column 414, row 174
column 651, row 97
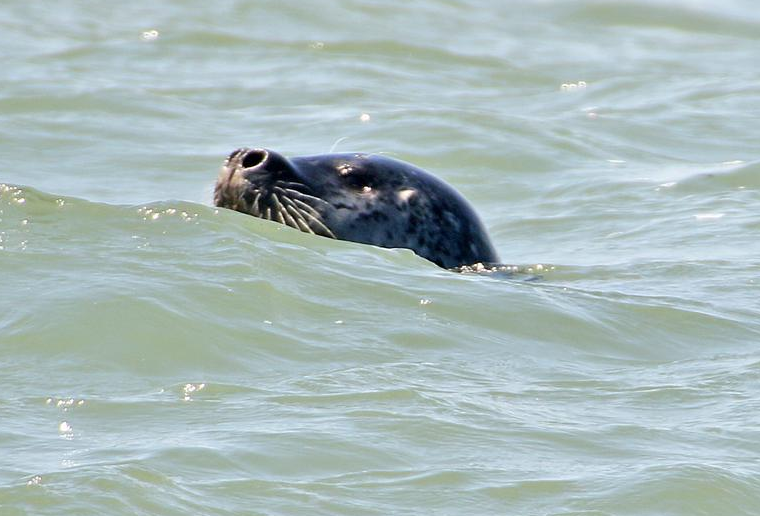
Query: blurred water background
column 162, row 357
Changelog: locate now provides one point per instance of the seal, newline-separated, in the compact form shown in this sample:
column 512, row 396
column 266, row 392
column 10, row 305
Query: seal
column 365, row 198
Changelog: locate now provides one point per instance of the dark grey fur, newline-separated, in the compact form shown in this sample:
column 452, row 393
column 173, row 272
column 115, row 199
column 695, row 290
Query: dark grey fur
column 363, row 198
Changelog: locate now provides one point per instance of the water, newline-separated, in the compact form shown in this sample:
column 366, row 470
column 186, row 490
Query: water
column 161, row 357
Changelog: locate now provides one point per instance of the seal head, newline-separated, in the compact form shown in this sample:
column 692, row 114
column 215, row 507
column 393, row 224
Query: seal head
column 365, row 198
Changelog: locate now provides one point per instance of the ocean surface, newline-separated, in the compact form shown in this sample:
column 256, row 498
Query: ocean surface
column 159, row 356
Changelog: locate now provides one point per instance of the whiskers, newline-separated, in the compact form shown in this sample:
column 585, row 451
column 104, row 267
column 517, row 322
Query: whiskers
column 337, row 142
column 287, row 202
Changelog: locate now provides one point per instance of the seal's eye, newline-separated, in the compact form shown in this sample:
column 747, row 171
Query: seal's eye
column 358, row 181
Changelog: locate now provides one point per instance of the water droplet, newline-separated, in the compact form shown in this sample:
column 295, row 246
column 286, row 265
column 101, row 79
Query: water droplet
column 573, row 86
column 150, row 35
column 190, row 388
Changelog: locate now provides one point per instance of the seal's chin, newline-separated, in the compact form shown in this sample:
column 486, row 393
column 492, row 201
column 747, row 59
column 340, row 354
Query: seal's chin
column 262, row 183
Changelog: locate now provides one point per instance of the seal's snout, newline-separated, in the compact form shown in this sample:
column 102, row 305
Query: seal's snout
column 267, row 185
column 265, row 165
column 254, row 158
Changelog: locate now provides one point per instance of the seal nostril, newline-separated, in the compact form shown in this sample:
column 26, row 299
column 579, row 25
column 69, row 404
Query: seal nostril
column 254, row 158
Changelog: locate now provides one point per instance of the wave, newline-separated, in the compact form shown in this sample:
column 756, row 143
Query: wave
column 188, row 284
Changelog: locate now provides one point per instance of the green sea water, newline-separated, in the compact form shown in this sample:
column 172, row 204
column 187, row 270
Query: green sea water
column 159, row 356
